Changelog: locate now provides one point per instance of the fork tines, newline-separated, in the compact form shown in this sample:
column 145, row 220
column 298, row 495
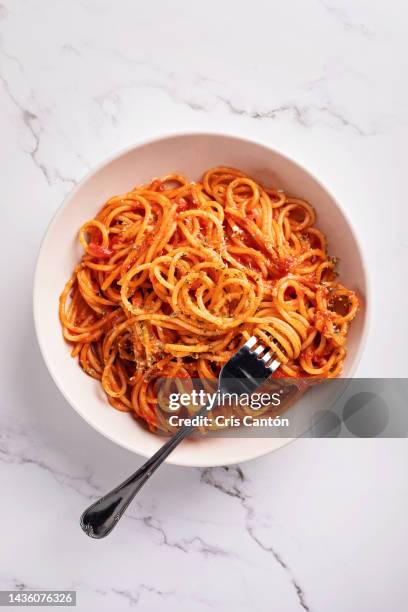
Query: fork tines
column 262, row 353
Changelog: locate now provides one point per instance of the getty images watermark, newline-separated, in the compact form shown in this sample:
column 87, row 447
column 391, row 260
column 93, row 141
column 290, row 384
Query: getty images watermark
column 254, row 402
column 287, row 408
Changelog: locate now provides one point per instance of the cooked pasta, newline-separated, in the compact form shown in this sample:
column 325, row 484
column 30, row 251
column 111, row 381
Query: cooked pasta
column 177, row 275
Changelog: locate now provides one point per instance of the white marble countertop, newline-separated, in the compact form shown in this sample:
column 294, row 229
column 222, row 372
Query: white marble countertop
column 321, row 524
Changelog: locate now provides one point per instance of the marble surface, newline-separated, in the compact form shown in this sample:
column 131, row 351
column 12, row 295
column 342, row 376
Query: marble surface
column 321, row 524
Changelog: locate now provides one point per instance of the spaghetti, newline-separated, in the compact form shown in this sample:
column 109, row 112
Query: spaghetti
column 177, row 275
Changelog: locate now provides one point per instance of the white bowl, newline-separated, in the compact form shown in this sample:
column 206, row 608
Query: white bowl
column 188, row 154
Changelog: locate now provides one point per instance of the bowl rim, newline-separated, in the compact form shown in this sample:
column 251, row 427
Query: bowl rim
column 117, row 155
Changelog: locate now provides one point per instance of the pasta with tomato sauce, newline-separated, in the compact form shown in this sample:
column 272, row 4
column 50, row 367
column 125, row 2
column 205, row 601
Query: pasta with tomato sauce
column 177, row 275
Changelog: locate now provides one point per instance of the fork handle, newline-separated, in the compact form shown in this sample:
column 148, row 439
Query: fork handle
column 101, row 517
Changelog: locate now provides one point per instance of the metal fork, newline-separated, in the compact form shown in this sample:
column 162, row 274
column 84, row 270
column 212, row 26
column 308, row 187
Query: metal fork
column 243, row 373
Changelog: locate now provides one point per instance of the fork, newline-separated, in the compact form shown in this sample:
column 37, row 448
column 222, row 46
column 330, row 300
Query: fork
column 243, row 373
